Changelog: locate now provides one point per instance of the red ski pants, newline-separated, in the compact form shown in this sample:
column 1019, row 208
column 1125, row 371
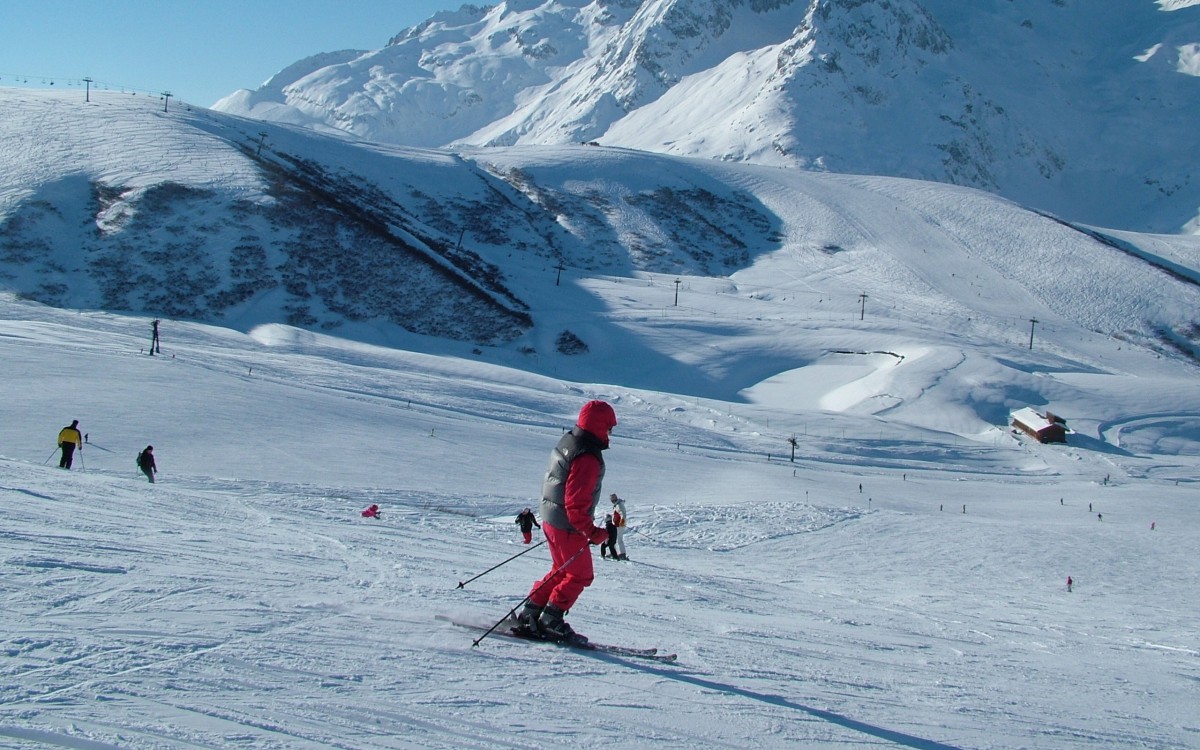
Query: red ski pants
column 571, row 573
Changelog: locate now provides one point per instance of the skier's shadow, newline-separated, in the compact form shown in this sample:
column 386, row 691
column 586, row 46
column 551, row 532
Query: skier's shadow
column 888, row 735
column 29, row 492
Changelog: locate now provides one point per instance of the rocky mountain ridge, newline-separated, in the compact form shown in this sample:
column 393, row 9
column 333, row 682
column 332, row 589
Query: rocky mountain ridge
column 117, row 205
column 1078, row 107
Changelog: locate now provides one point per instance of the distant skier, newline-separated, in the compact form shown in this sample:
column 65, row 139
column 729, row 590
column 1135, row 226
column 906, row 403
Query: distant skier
column 611, row 544
column 372, row 511
column 69, row 438
column 154, row 339
column 145, row 462
column 1070, row 583
column 619, row 520
column 570, row 493
column 527, row 521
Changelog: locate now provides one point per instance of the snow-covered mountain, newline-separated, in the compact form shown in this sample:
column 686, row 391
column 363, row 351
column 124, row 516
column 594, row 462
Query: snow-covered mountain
column 832, row 523
column 1084, row 108
column 118, row 205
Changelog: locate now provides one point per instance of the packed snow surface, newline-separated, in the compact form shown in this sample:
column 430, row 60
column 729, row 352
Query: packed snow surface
column 890, row 587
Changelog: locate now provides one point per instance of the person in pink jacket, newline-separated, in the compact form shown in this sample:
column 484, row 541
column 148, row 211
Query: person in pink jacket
column 570, row 494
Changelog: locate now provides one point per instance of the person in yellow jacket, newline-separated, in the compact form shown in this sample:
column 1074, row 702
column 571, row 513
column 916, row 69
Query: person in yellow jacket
column 69, row 438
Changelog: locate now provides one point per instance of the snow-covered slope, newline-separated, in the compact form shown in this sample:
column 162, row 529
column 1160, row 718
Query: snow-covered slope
column 892, row 587
column 1081, row 108
column 833, row 524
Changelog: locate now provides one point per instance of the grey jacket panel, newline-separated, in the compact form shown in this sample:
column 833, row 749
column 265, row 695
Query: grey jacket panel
column 572, row 445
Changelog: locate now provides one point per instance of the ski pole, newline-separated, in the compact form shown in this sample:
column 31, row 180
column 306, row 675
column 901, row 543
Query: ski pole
column 50, row 456
column 489, row 570
column 521, row 603
column 639, row 532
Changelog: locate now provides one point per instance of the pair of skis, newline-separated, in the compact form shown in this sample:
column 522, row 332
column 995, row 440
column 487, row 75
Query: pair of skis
column 509, row 629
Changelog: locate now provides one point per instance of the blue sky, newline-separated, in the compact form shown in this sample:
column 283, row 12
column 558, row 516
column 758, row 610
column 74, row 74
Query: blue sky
column 199, row 50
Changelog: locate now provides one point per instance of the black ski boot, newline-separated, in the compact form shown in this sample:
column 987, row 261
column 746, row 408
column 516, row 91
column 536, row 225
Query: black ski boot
column 554, row 628
column 527, row 620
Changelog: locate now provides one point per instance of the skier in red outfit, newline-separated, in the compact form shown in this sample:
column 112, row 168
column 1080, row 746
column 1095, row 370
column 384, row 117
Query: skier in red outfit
column 569, row 496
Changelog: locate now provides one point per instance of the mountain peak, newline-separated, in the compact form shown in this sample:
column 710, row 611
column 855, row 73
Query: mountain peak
column 1069, row 107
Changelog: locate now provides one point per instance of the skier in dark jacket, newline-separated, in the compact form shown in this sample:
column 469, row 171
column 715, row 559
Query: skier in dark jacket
column 145, row 462
column 527, row 521
column 611, row 544
column 69, row 438
column 570, row 493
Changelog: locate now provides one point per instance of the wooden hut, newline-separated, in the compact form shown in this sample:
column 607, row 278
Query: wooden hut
column 1045, row 428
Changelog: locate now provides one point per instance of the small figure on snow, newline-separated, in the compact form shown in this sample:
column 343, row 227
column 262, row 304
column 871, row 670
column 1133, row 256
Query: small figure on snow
column 619, row 520
column 154, row 348
column 145, row 462
column 372, row 511
column 1070, row 583
column 570, row 493
column 527, row 521
column 611, row 544
column 69, row 438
